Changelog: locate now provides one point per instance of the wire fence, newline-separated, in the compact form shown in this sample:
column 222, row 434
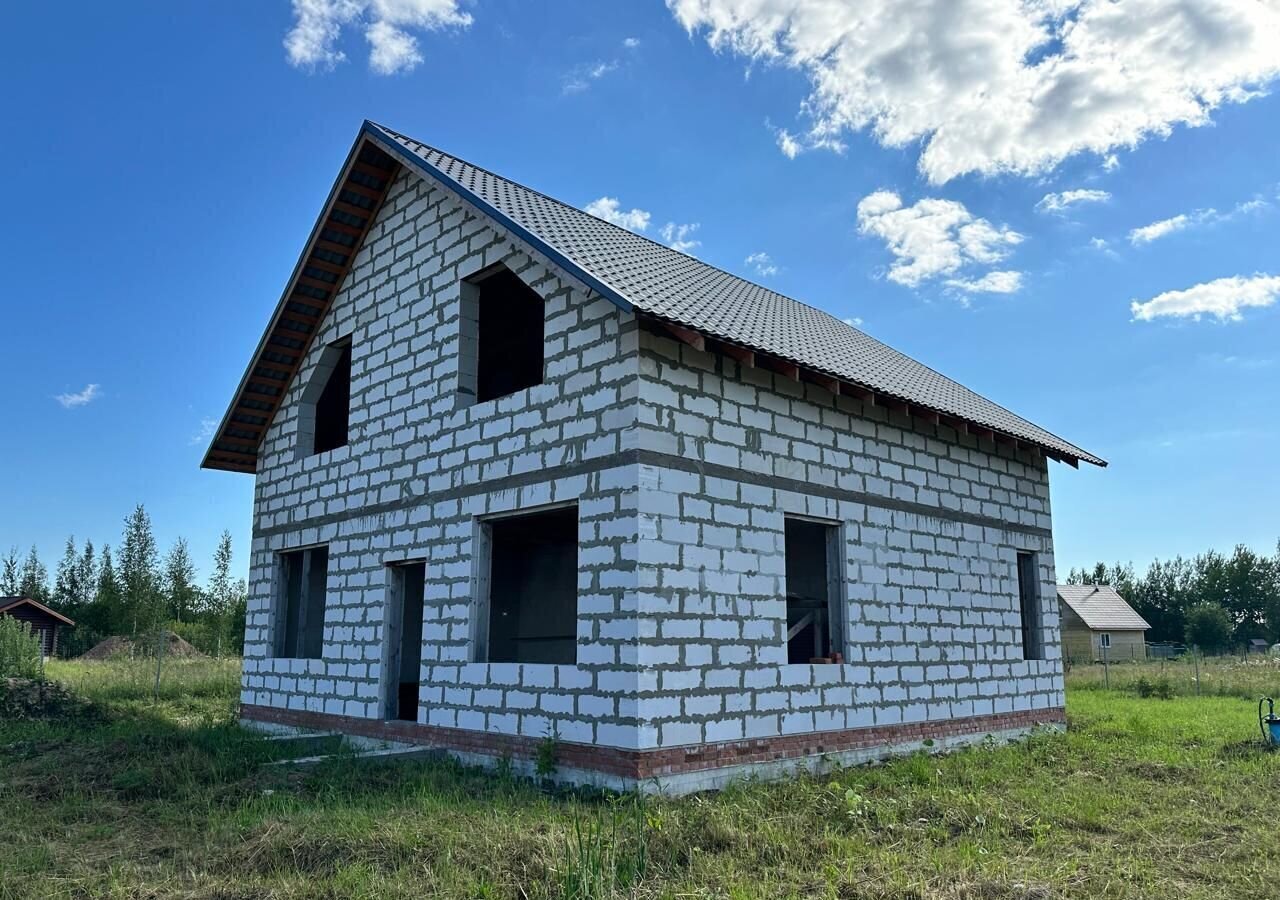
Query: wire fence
column 1190, row 673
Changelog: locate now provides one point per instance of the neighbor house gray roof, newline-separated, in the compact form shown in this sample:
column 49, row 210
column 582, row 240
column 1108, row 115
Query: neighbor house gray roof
column 637, row 273
column 1101, row 608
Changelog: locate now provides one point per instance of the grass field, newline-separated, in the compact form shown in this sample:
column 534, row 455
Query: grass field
column 1143, row 797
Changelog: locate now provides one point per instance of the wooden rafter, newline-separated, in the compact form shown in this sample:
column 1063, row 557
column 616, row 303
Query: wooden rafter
column 337, row 236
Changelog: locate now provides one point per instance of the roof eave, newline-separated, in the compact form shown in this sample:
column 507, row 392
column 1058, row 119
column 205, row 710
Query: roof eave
column 689, row 334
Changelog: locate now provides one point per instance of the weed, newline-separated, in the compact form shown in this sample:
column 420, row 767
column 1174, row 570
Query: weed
column 545, row 759
column 1160, row 688
column 604, row 854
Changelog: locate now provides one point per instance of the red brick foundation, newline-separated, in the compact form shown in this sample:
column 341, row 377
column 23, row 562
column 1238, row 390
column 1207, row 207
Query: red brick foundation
column 645, row 764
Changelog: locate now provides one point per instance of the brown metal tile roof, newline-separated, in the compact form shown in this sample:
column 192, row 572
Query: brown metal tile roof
column 637, row 272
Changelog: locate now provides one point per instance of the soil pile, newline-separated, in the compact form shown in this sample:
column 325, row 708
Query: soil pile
column 27, row 698
column 118, row 646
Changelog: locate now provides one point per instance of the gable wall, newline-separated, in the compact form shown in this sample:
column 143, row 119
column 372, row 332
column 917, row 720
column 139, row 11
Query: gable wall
column 418, row 468
column 931, row 528
column 1077, row 640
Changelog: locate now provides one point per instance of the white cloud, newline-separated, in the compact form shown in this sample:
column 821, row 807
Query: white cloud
column 581, row 77
column 1156, row 230
column 1060, row 202
column 762, row 264
column 852, row 321
column 788, row 144
column 677, row 236
column 937, row 237
column 991, row 283
column 631, row 43
column 1223, row 298
column 391, row 50
column 90, row 393
column 990, row 86
column 608, row 208
column 1103, row 246
column 208, row 427
column 1110, row 163
column 318, row 24
column 1231, row 361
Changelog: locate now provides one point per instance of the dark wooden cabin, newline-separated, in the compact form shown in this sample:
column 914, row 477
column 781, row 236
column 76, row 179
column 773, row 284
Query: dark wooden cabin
column 39, row 618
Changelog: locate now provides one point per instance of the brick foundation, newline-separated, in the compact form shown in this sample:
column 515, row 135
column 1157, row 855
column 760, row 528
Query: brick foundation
column 633, row 766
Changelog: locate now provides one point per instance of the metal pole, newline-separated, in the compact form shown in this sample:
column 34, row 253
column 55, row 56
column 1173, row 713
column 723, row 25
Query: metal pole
column 1195, row 656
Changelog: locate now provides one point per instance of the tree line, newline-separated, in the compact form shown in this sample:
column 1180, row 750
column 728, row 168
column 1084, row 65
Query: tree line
column 1214, row 600
column 135, row 591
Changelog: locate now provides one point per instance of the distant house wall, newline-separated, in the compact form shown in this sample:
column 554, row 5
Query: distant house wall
column 44, row 626
column 1124, row 645
column 1082, row 644
column 1077, row 639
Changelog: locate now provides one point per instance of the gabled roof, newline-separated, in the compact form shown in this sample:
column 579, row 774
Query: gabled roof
column 1101, row 608
column 9, row 603
column 700, row 301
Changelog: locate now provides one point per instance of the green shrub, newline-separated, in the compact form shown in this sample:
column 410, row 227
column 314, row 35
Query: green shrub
column 1208, row 627
column 21, row 655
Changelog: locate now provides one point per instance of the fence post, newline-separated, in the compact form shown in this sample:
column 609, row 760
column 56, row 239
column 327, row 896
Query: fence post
column 1195, row 657
column 1106, row 667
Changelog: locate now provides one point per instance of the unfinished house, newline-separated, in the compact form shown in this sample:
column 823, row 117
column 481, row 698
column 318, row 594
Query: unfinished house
column 521, row 473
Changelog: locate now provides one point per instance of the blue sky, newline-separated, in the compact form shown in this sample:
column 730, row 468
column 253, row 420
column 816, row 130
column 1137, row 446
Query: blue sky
column 166, row 162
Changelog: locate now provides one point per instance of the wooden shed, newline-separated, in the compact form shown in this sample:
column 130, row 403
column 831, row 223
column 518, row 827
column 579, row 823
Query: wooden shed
column 1095, row 618
column 39, row 618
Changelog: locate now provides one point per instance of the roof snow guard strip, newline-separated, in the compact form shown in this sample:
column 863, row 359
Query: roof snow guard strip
column 694, row 302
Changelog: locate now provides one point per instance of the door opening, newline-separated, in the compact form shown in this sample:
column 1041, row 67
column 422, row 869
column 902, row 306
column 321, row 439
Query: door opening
column 402, row 648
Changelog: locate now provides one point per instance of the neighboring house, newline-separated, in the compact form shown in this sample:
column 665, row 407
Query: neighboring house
column 39, row 618
column 522, row 473
column 1096, row 619
column 1259, row 645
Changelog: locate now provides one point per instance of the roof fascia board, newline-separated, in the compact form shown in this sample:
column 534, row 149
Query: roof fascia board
column 409, row 158
column 352, row 155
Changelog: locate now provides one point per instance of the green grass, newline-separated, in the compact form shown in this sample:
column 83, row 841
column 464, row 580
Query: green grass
column 167, row 799
column 1226, row 676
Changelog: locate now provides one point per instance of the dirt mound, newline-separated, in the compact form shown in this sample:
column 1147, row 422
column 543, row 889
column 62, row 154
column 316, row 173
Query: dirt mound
column 114, row 647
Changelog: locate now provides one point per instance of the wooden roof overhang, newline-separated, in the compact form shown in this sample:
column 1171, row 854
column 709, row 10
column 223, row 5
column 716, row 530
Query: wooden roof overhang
column 8, row 604
column 339, row 232
column 752, row 358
